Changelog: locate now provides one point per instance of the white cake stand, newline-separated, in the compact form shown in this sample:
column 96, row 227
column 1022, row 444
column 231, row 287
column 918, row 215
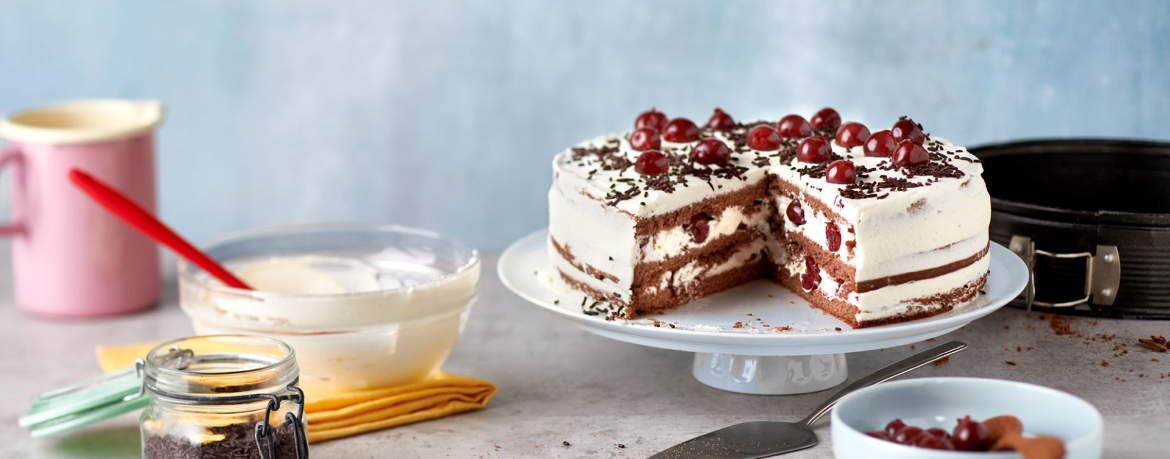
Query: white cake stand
column 781, row 346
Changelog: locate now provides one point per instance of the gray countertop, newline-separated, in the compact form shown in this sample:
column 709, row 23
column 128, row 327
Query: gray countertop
column 558, row 383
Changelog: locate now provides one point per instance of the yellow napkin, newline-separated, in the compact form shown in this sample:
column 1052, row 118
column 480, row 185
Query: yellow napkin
column 333, row 414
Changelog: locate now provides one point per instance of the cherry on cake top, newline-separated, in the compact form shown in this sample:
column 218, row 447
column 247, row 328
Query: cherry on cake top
column 827, row 118
column 681, row 130
column 711, row 151
column 841, row 172
column 720, row 121
column 906, row 129
column 646, row 138
column 651, row 118
column 910, row 153
column 814, row 149
column 651, row 162
column 880, row 144
column 763, row 138
column 852, row 134
column 793, row 126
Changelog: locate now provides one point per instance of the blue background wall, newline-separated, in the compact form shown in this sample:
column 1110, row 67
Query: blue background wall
column 445, row 114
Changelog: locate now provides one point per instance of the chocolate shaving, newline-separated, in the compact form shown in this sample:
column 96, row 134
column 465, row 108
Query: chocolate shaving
column 814, row 171
column 609, row 149
column 614, row 197
column 661, row 182
column 239, row 442
column 895, row 184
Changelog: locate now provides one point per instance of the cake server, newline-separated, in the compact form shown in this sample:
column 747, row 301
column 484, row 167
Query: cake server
column 759, row 439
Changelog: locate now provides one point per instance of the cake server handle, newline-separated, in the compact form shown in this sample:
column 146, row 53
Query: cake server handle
column 887, row 373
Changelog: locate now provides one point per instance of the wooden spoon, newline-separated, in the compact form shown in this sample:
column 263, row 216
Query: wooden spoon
column 1006, row 434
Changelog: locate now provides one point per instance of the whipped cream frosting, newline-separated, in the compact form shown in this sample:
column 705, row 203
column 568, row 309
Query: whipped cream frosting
column 311, row 275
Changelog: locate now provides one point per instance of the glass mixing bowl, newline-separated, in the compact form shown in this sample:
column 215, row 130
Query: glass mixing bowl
column 391, row 314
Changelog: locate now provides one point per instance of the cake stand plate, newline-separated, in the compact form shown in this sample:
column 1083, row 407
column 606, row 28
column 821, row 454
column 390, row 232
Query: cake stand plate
column 757, row 338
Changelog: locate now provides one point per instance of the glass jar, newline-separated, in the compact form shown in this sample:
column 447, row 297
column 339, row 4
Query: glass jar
column 222, row 396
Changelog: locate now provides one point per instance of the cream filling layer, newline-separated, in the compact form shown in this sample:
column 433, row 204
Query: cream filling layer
column 815, row 224
column 692, row 272
column 675, row 241
column 895, row 299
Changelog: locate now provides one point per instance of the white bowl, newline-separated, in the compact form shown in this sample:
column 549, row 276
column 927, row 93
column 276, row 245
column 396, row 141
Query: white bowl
column 938, row 402
column 398, row 328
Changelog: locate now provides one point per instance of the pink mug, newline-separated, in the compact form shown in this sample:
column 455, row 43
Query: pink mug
column 70, row 257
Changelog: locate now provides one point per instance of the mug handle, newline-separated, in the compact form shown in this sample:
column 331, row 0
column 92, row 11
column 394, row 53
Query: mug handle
column 8, row 156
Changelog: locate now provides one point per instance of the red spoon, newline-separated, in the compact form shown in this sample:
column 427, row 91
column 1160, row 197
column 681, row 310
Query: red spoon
column 141, row 220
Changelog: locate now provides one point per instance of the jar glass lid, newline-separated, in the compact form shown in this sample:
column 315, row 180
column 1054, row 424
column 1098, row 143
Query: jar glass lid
column 207, row 367
column 90, row 401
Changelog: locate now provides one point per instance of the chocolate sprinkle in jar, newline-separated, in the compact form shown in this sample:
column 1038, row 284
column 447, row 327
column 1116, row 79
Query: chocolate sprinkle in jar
column 223, row 396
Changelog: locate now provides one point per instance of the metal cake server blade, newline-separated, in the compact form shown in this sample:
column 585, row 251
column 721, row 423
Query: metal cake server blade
column 759, row 439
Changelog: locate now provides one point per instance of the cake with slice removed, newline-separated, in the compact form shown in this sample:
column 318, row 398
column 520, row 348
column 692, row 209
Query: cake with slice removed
column 870, row 228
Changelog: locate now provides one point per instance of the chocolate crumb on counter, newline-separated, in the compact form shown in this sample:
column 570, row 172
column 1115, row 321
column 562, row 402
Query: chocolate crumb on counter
column 1061, row 325
column 1010, row 362
column 1155, row 343
column 566, row 442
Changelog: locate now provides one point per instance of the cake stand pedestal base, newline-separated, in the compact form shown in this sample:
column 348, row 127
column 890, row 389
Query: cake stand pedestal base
column 770, row 375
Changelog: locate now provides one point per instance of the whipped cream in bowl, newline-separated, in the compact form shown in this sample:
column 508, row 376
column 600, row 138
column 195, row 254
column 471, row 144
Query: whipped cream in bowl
column 362, row 305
